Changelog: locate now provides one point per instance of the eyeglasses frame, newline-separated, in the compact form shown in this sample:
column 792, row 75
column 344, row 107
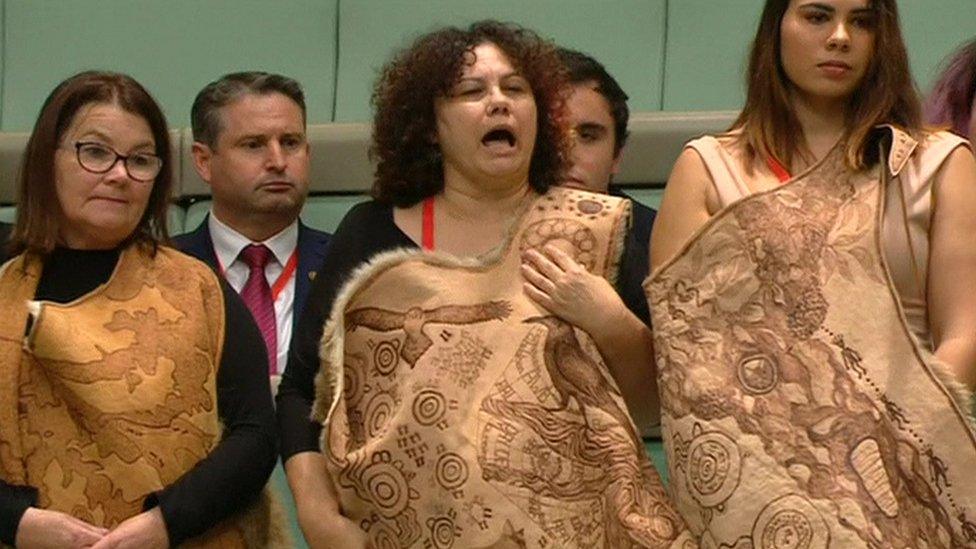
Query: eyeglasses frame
column 118, row 156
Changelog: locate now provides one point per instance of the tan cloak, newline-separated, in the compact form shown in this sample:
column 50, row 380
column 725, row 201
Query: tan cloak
column 467, row 417
column 113, row 396
column 797, row 409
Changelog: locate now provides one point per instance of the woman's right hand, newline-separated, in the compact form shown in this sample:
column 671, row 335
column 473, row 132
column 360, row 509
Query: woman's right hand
column 317, row 504
column 333, row 530
column 43, row 529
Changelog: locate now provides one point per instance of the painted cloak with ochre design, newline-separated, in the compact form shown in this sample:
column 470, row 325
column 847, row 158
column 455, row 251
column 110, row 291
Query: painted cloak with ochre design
column 465, row 416
column 113, row 396
column 797, row 409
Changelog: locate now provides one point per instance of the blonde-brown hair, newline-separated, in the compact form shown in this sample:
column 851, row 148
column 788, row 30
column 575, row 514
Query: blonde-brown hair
column 886, row 95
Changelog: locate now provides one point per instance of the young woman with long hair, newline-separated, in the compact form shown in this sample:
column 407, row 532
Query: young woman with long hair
column 813, row 303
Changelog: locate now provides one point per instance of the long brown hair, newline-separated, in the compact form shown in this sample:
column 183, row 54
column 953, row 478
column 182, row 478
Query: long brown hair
column 39, row 213
column 886, row 95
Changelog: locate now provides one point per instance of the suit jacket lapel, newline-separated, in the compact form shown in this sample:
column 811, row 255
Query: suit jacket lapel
column 199, row 244
column 311, row 253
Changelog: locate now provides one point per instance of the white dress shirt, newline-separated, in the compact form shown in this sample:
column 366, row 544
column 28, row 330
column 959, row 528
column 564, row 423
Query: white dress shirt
column 228, row 244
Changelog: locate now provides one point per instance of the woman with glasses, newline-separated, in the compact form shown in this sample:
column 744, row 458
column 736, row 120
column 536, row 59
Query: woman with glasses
column 812, row 300
column 134, row 398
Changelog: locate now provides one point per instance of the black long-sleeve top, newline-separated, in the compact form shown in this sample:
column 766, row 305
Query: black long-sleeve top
column 635, row 262
column 5, row 230
column 365, row 231
column 233, row 474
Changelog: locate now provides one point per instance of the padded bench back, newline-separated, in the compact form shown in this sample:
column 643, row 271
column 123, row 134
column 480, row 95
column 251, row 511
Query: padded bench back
column 341, row 173
column 12, row 146
column 657, row 138
column 340, row 162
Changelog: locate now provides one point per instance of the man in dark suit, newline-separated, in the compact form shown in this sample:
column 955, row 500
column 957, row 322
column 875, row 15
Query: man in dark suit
column 250, row 147
column 598, row 116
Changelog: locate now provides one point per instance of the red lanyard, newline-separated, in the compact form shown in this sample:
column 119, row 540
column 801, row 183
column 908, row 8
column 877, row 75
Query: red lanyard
column 427, row 237
column 286, row 275
column 778, row 170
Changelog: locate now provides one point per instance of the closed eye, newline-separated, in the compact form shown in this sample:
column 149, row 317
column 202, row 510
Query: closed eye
column 96, row 151
column 467, row 89
column 517, row 85
column 142, row 160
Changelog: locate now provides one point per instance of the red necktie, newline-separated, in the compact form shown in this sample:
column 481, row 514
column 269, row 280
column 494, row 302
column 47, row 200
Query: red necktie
column 257, row 296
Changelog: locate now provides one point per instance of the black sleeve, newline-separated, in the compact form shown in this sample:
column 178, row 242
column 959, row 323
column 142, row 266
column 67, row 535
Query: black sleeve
column 5, row 230
column 229, row 479
column 14, row 502
column 634, row 263
column 365, row 231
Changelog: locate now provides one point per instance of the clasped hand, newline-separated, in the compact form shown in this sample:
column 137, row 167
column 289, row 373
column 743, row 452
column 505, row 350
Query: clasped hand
column 566, row 289
column 43, row 529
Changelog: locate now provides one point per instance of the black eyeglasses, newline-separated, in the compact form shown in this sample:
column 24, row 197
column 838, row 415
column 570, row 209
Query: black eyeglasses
column 98, row 158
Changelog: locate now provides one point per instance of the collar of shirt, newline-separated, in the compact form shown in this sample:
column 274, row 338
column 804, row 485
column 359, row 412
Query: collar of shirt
column 228, row 243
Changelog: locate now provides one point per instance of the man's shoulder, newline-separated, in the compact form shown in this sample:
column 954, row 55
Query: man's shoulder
column 312, row 243
column 639, row 210
column 193, row 242
column 642, row 212
column 312, row 234
column 197, row 243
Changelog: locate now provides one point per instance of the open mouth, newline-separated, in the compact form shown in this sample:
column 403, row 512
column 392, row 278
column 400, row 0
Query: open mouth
column 499, row 138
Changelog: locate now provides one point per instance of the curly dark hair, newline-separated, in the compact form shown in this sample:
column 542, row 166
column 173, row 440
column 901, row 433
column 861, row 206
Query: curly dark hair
column 409, row 166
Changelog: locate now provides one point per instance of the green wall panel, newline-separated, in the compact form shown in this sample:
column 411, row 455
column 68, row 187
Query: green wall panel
column 173, row 47
column 706, row 53
column 3, row 5
column 176, row 46
column 934, row 29
column 626, row 35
